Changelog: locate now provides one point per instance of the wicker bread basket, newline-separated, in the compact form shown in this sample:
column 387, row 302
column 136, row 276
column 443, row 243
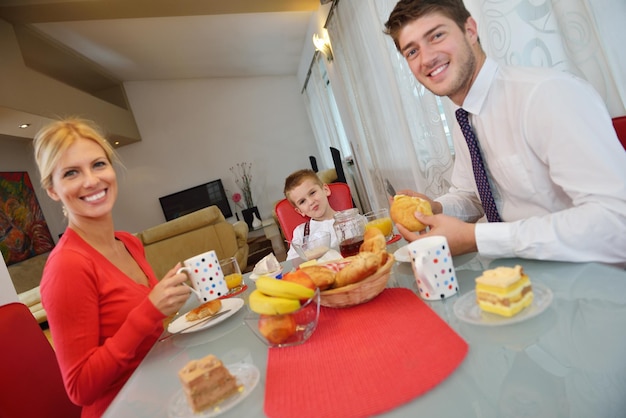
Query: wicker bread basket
column 360, row 292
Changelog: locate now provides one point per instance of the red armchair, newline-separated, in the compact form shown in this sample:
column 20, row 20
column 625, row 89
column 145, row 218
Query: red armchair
column 619, row 123
column 32, row 383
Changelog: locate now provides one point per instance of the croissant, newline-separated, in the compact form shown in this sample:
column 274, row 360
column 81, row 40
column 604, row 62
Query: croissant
column 322, row 276
column 364, row 264
column 206, row 309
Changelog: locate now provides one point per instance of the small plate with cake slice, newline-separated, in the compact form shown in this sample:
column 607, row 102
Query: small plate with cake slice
column 503, row 296
column 183, row 325
column 209, row 391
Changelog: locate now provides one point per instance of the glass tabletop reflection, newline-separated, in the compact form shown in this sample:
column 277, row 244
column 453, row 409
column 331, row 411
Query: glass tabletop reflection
column 565, row 362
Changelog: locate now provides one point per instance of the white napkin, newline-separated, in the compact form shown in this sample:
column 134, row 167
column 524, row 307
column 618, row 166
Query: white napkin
column 268, row 264
column 329, row 256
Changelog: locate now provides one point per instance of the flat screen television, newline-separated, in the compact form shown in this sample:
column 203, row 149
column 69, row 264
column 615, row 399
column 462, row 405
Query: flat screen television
column 195, row 198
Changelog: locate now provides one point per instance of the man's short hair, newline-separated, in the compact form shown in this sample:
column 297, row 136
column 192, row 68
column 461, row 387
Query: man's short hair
column 406, row 11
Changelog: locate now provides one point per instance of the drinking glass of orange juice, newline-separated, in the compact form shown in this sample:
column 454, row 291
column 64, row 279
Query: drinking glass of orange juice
column 380, row 219
column 232, row 274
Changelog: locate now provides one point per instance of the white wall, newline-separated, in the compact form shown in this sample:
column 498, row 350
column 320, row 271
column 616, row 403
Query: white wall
column 193, row 131
column 316, row 23
column 29, row 91
column 17, row 155
column 7, row 291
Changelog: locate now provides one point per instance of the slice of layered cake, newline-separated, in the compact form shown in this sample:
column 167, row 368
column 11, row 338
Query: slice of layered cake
column 206, row 382
column 504, row 291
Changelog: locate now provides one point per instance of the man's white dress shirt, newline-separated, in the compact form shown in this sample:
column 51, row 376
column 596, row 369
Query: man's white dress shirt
column 557, row 169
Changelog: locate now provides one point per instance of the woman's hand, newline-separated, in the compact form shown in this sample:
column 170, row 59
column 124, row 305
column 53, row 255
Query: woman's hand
column 169, row 295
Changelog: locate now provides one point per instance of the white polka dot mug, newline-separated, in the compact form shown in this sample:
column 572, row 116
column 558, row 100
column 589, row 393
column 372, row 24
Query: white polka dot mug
column 206, row 276
column 433, row 268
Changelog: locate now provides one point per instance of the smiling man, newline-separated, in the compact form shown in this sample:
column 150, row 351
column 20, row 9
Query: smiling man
column 536, row 153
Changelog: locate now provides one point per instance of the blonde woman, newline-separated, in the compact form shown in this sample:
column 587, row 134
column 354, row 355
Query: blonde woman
column 104, row 304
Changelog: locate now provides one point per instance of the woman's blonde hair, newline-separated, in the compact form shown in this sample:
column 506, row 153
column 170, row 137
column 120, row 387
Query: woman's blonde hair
column 54, row 139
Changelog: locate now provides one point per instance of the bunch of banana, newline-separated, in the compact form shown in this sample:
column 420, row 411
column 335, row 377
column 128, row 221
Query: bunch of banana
column 277, row 297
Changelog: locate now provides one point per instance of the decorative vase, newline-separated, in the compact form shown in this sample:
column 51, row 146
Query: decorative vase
column 249, row 215
column 256, row 222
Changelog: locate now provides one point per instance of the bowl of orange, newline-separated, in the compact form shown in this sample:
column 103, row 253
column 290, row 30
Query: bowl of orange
column 287, row 329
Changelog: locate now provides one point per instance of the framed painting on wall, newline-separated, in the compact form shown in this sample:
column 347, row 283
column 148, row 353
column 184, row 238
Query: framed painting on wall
column 24, row 232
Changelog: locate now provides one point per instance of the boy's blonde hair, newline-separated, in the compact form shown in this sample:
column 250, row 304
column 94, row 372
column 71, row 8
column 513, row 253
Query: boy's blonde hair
column 297, row 178
column 54, row 139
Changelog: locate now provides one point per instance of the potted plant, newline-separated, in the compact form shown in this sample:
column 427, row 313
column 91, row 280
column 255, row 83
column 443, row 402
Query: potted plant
column 243, row 178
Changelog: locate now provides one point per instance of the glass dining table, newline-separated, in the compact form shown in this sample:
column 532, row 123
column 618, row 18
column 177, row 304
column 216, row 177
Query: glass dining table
column 568, row 360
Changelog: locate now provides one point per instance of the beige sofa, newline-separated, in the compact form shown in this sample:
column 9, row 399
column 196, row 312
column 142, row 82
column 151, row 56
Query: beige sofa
column 26, row 276
column 200, row 231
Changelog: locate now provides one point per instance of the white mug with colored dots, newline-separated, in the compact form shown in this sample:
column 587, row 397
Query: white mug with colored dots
column 433, row 269
column 206, row 276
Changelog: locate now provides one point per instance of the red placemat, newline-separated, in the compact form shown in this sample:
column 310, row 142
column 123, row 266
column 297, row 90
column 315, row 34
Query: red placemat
column 363, row 360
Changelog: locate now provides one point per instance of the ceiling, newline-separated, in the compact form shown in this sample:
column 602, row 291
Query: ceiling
column 96, row 45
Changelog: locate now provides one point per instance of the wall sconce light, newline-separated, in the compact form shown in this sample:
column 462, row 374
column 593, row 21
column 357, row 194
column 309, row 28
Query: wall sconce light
column 323, row 45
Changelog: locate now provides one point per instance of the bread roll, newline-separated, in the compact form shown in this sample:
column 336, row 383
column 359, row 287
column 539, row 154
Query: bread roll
column 322, row 276
column 403, row 208
column 373, row 241
column 206, row 309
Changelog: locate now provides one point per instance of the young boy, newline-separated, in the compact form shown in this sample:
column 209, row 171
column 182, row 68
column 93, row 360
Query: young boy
column 309, row 196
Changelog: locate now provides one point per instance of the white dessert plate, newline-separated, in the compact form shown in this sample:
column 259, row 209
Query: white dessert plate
column 402, row 254
column 180, row 323
column 247, row 376
column 467, row 310
column 254, row 276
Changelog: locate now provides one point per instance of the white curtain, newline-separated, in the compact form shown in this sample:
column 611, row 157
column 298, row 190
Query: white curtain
column 398, row 130
column 570, row 35
column 319, row 108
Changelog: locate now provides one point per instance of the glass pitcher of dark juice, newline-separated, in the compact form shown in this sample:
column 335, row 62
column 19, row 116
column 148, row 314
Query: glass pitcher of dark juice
column 349, row 226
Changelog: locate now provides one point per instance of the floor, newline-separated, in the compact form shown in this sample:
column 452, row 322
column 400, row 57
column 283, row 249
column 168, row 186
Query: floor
column 279, row 248
column 46, row 332
column 260, row 246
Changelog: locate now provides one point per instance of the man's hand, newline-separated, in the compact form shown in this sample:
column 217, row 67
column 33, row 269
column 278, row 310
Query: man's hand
column 460, row 235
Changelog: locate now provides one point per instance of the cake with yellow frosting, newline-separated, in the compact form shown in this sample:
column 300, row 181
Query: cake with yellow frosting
column 504, row 291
